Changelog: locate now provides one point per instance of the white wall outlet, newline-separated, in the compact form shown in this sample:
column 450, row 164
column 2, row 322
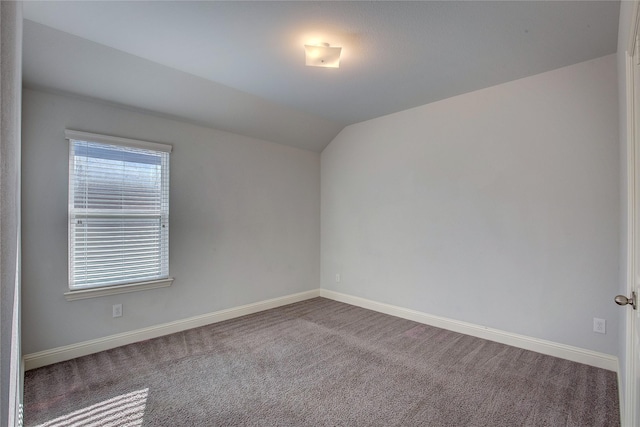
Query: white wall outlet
column 337, row 277
column 117, row 310
column 599, row 325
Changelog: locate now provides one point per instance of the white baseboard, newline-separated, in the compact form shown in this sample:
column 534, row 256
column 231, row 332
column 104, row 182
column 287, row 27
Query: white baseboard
column 60, row 354
column 575, row 354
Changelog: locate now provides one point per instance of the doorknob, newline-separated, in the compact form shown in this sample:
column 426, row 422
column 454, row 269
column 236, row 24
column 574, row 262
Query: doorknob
column 622, row 300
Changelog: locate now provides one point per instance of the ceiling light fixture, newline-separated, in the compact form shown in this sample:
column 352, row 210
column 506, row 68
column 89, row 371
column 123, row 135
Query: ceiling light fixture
column 322, row 55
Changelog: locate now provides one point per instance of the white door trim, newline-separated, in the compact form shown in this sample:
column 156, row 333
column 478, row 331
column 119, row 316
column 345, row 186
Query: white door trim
column 629, row 411
column 628, row 402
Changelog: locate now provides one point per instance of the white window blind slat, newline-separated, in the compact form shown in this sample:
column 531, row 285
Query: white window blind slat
column 114, row 140
column 118, row 212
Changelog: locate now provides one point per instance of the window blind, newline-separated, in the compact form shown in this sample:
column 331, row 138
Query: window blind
column 118, row 212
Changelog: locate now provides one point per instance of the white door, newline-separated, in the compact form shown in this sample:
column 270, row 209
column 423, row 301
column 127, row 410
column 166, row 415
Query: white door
column 633, row 314
column 631, row 403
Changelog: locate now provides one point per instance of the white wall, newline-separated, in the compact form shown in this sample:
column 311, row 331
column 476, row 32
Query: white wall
column 244, row 215
column 498, row 207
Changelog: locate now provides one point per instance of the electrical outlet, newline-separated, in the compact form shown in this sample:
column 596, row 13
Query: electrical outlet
column 599, row 325
column 337, row 277
column 117, row 310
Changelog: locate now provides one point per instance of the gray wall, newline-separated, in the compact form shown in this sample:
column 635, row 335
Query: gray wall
column 244, row 215
column 498, row 207
column 10, row 110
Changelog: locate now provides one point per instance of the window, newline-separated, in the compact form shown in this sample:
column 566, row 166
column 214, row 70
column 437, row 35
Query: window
column 118, row 212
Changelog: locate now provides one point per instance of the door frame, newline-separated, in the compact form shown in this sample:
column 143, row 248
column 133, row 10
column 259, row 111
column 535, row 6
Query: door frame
column 630, row 409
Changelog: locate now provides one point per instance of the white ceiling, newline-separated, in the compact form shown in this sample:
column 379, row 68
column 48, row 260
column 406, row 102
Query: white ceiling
column 239, row 66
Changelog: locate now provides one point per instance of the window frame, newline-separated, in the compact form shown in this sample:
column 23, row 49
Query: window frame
column 110, row 289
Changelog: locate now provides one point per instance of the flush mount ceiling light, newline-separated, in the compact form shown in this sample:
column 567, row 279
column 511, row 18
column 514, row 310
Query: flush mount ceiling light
column 322, row 55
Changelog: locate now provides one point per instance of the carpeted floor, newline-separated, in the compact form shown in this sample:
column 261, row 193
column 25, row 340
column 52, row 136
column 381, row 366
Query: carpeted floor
column 320, row 363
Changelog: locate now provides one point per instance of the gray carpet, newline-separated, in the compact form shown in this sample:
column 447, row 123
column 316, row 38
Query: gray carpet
column 320, row 363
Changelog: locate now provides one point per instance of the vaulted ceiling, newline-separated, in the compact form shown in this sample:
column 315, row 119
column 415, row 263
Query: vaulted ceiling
column 239, row 66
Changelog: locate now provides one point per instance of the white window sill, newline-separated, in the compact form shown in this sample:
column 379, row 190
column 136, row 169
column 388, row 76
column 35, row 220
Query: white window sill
column 117, row 289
